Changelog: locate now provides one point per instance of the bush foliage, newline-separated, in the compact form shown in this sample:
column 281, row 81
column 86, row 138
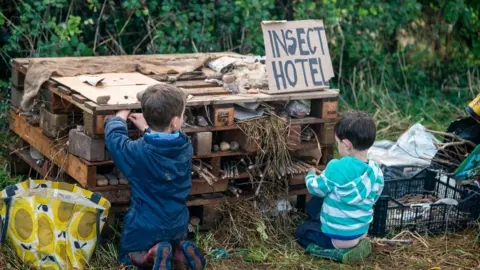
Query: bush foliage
column 408, row 47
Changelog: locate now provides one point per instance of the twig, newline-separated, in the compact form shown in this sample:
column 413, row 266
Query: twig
column 263, row 177
column 98, row 26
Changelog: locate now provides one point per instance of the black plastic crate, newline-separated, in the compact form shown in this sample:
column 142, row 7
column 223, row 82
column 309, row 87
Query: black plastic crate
column 391, row 216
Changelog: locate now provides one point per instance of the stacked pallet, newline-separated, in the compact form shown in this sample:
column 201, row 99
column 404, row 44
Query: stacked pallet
column 67, row 129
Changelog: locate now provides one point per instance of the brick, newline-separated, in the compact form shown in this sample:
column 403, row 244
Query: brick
column 54, row 125
column 83, row 146
column 202, row 143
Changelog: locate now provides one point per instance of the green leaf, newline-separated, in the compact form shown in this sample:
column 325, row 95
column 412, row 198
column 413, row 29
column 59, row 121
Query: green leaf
column 2, row 20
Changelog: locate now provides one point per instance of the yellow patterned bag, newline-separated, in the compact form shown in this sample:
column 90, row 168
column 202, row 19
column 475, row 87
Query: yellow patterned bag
column 52, row 225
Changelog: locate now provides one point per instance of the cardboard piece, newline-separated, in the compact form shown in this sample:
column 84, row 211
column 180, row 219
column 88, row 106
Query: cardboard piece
column 297, row 56
column 121, row 87
column 90, row 79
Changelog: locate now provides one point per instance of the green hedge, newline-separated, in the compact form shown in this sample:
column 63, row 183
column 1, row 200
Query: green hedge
column 402, row 45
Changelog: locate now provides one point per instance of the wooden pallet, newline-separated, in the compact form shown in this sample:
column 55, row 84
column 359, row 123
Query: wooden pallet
column 58, row 99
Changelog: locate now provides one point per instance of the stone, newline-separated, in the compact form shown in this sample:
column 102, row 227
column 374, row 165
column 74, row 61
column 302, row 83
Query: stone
column 101, row 180
column 234, row 146
column 224, row 146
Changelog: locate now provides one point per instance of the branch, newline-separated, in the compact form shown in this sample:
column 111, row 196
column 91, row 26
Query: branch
column 98, row 26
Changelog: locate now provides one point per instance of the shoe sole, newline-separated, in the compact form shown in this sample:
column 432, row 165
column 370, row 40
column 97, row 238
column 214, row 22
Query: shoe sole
column 165, row 254
column 165, row 263
column 364, row 250
column 198, row 262
column 192, row 255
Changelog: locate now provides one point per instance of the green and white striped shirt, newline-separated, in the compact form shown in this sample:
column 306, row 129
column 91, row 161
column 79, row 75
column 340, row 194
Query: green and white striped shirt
column 350, row 188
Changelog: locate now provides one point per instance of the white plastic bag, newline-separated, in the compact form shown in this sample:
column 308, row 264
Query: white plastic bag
column 416, row 147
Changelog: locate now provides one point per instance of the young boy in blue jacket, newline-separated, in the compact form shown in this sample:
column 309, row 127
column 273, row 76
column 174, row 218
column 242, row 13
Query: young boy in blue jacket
column 341, row 208
column 158, row 168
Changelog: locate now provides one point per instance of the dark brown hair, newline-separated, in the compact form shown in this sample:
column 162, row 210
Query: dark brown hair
column 161, row 103
column 357, row 127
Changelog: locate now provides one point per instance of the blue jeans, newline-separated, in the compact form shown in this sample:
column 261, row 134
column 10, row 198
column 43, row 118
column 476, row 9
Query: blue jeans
column 310, row 232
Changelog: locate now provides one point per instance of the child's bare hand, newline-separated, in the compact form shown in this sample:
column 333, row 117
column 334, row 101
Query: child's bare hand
column 123, row 114
column 315, row 170
column 138, row 120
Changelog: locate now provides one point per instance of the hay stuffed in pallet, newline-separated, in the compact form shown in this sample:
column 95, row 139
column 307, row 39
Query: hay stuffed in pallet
column 267, row 215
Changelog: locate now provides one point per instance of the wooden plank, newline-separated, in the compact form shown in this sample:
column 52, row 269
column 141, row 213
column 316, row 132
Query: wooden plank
column 16, row 96
column 26, row 61
column 185, row 77
column 295, row 192
column 92, row 105
column 64, row 90
column 209, row 128
column 200, row 186
column 223, row 154
column 229, row 99
column 118, row 196
column 223, row 115
column 207, row 91
column 18, row 77
column 24, row 154
column 195, row 84
column 282, row 92
column 79, row 98
column 326, row 133
column 209, row 201
column 311, row 120
column 293, row 121
column 325, row 108
column 69, row 163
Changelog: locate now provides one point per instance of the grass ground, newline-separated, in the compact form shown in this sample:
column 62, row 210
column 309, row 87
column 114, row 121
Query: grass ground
column 450, row 251
column 393, row 113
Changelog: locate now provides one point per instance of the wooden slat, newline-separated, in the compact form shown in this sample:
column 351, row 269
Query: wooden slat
column 26, row 61
column 229, row 99
column 79, row 98
column 311, row 120
column 223, row 154
column 298, row 192
column 70, row 164
column 207, row 91
column 24, row 155
column 64, row 90
column 209, row 128
column 195, row 84
column 200, row 186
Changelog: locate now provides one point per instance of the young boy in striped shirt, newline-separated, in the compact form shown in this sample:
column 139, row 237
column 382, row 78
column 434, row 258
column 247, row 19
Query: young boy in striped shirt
column 341, row 208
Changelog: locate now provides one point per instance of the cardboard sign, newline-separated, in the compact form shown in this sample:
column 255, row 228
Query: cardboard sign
column 297, row 56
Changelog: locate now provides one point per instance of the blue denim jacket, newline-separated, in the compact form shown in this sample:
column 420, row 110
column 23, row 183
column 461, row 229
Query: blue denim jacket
column 158, row 170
